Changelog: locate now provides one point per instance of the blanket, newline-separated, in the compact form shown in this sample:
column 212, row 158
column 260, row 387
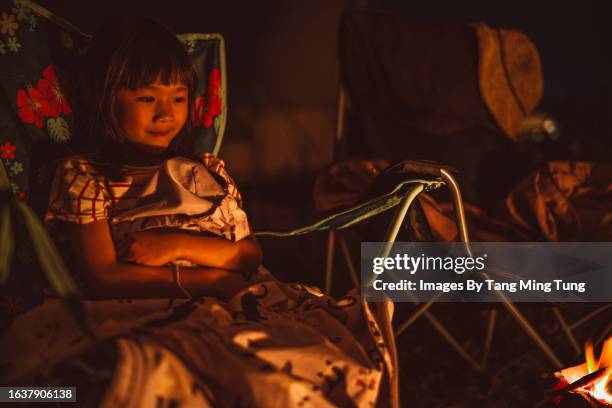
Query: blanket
column 272, row 344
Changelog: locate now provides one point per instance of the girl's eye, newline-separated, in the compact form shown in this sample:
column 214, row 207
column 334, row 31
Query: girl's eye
column 180, row 99
column 146, row 99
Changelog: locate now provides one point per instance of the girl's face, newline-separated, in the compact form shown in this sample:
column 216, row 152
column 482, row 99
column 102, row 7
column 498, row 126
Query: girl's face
column 152, row 116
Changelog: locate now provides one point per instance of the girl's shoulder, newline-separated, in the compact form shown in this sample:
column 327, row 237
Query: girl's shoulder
column 76, row 174
column 79, row 164
column 78, row 193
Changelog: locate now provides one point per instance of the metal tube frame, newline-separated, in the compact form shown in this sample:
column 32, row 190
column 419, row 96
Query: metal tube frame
column 463, row 235
column 450, row 181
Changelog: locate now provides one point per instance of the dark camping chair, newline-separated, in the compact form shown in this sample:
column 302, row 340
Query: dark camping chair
column 407, row 88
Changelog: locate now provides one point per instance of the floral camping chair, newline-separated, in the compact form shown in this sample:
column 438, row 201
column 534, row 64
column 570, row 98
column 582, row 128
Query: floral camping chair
column 40, row 60
column 41, row 56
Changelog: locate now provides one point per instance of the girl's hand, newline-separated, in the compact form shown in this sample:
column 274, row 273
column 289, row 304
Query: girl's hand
column 148, row 248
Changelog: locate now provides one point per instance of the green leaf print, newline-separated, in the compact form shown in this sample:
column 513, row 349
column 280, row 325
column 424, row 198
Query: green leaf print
column 58, row 129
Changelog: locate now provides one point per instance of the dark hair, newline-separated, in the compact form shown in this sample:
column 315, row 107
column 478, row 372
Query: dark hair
column 129, row 53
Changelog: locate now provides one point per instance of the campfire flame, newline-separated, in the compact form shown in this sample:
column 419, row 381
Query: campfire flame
column 601, row 387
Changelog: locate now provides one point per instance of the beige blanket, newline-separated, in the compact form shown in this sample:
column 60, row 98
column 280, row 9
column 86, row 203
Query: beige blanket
column 273, row 344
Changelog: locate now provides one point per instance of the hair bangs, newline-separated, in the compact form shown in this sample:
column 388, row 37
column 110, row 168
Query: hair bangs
column 151, row 60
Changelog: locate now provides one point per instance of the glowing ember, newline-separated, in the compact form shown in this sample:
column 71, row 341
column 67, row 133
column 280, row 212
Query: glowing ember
column 601, row 387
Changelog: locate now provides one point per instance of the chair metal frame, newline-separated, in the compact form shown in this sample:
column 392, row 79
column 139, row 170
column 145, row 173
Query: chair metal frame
column 423, row 309
column 449, row 180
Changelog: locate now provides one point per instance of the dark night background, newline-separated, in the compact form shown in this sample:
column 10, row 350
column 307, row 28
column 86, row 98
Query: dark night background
column 283, row 82
column 282, row 90
column 283, row 72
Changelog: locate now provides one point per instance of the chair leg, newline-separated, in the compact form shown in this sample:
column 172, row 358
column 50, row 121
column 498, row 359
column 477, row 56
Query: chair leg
column 530, row 330
column 604, row 334
column 462, row 229
column 423, row 310
column 349, row 261
column 387, row 329
column 488, row 339
column 387, row 332
column 329, row 263
column 566, row 330
column 450, row 181
column 396, row 223
column 588, row 317
column 398, row 219
column 391, row 236
column 452, row 341
column 416, row 314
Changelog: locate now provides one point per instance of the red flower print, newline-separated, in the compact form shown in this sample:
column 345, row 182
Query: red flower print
column 214, row 100
column 8, row 151
column 205, row 113
column 197, row 114
column 22, row 196
column 31, row 104
column 50, row 90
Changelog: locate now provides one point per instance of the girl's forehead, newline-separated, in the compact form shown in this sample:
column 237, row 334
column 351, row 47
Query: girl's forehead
column 162, row 87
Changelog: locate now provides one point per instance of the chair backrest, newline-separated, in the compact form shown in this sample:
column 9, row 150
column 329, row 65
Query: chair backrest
column 40, row 58
column 422, row 90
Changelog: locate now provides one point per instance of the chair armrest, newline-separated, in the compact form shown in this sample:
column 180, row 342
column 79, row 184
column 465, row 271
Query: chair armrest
column 387, row 191
column 404, row 171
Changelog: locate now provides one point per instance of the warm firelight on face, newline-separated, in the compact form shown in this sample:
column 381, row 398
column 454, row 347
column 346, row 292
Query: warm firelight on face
column 601, row 389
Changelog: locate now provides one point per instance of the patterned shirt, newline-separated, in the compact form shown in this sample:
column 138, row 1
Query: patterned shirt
column 178, row 193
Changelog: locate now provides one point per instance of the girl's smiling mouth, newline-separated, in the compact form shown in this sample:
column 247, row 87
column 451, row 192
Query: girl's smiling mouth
column 161, row 132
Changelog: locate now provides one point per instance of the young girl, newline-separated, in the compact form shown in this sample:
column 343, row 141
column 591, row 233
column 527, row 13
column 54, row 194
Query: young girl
column 135, row 207
column 145, row 219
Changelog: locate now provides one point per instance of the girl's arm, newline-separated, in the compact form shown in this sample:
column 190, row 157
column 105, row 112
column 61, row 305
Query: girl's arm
column 104, row 276
column 244, row 255
column 216, row 252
